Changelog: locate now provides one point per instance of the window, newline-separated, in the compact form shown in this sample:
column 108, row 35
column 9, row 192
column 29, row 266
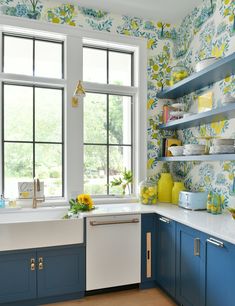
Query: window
column 108, row 143
column 72, row 149
column 32, row 115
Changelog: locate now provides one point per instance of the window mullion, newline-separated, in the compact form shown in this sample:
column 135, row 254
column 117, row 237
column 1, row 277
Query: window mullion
column 34, row 108
column 107, row 97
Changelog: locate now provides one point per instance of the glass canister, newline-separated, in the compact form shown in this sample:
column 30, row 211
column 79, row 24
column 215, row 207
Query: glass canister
column 165, row 185
column 178, row 186
column 148, row 192
column 178, row 73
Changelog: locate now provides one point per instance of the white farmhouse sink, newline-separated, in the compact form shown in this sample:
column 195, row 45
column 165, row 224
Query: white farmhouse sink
column 42, row 227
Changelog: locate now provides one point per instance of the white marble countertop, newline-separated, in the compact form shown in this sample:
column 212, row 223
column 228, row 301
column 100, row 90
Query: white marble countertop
column 220, row 226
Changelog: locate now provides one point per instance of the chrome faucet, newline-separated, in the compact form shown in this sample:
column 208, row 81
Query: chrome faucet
column 36, row 188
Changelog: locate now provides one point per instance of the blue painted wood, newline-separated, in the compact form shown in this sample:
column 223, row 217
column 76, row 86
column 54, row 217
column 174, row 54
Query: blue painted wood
column 148, row 224
column 221, row 113
column 211, row 157
column 17, row 281
column 165, row 267
column 63, row 271
column 189, row 268
column 215, row 72
column 219, row 274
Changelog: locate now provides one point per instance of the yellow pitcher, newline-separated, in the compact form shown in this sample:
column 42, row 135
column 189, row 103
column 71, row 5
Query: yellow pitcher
column 165, row 185
column 178, row 186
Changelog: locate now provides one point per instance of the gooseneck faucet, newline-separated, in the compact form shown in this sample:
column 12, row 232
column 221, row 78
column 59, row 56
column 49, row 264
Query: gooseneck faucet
column 36, row 188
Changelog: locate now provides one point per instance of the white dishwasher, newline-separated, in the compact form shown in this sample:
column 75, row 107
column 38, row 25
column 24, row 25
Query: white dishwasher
column 113, row 245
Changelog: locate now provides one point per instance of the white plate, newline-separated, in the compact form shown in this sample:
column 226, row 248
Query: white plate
column 223, row 141
column 179, row 106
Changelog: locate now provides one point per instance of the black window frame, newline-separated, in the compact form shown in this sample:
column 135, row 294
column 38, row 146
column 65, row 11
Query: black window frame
column 107, row 143
column 33, row 142
column 34, row 39
column 107, row 61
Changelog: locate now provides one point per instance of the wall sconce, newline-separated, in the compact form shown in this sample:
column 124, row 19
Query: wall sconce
column 79, row 93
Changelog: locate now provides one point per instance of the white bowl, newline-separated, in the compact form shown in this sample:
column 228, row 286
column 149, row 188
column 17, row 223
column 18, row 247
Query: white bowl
column 223, row 141
column 194, row 147
column 176, row 150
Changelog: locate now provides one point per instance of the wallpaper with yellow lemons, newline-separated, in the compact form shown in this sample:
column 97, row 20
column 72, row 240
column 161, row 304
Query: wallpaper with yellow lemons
column 209, row 30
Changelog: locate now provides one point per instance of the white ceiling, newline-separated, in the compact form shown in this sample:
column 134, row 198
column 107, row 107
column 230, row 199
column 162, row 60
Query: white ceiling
column 172, row 11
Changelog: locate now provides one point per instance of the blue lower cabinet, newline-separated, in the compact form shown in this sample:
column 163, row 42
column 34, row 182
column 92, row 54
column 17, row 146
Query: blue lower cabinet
column 219, row 272
column 17, row 276
column 190, row 262
column 165, row 267
column 148, row 250
column 61, row 270
column 40, row 276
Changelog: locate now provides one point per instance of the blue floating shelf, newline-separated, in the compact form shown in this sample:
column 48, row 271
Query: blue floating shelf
column 221, row 113
column 211, row 74
column 215, row 157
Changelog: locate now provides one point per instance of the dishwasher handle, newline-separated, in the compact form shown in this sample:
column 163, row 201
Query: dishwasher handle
column 97, row 223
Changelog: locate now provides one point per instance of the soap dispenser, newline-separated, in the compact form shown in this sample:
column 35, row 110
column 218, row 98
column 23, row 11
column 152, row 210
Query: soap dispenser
column 2, row 202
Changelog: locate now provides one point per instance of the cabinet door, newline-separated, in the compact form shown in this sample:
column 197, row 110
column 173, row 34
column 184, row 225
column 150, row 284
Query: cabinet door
column 165, row 269
column 17, row 276
column 220, row 273
column 189, row 266
column 61, row 270
column 148, row 248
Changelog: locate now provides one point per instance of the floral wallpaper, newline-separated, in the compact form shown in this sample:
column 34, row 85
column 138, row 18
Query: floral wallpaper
column 209, row 30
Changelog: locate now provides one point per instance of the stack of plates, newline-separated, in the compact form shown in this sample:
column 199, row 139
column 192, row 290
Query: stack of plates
column 228, row 98
column 205, row 63
column 222, row 146
column 194, row 149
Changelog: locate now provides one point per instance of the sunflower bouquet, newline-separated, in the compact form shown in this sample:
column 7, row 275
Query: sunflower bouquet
column 83, row 202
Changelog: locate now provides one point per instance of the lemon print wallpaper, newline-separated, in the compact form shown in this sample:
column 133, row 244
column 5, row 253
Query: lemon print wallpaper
column 209, row 30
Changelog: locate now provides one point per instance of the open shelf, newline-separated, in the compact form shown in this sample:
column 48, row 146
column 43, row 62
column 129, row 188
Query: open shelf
column 214, row 157
column 221, row 113
column 211, row 74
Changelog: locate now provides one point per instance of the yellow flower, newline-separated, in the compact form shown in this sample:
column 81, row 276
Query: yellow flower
column 85, row 199
column 218, row 126
column 150, row 43
column 150, row 103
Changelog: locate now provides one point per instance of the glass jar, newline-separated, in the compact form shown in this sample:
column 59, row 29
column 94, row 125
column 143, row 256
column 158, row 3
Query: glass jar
column 165, row 185
column 148, row 192
column 178, row 73
column 178, row 186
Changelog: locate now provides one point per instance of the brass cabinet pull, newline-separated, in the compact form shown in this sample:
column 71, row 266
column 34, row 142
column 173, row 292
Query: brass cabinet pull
column 40, row 263
column 215, row 242
column 148, row 255
column 197, row 247
column 32, row 264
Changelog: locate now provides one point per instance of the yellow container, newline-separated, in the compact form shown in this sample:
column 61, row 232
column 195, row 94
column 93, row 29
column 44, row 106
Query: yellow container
column 178, row 186
column 148, row 192
column 165, row 185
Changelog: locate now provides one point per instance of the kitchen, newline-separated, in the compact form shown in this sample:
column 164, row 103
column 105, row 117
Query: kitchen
column 117, row 124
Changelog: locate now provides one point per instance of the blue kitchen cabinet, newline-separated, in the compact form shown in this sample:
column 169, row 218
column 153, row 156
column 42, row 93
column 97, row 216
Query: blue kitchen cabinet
column 165, row 259
column 61, row 270
column 190, row 263
column 40, row 276
column 17, row 276
column 148, row 250
column 219, row 272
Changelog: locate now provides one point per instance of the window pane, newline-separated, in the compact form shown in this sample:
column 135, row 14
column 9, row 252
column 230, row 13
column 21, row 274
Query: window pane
column 119, row 159
column 48, row 59
column 94, row 65
column 119, row 68
column 95, row 175
column 119, row 120
column 18, row 113
column 95, row 118
column 48, row 115
column 18, row 166
column 18, row 55
column 48, row 167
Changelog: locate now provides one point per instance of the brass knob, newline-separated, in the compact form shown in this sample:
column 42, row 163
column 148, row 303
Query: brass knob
column 32, row 264
column 40, row 263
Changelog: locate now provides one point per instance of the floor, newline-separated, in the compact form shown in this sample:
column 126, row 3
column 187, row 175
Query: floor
column 133, row 297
